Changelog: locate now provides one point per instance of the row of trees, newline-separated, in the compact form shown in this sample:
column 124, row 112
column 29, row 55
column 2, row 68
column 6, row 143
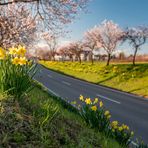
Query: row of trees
column 25, row 21
column 106, row 36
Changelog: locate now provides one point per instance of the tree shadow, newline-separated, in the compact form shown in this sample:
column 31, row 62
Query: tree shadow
column 107, row 79
column 137, row 89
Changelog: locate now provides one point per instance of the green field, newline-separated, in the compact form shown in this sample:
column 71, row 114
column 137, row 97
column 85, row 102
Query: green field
column 34, row 123
column 126, row 77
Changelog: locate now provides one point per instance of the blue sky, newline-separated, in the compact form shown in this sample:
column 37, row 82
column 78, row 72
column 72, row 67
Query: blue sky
column 129, row 13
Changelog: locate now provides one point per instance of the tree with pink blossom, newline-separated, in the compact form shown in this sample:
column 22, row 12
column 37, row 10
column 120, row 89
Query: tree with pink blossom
column 65, row 52
column 107, row 36
column 90, row 42
column 76, row 48
column 51, row 41
column 16, row 26
column 50, row 14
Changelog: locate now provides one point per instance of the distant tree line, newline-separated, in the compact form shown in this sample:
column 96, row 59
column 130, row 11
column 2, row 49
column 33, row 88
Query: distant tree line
column 106, row 36
column 29, row 21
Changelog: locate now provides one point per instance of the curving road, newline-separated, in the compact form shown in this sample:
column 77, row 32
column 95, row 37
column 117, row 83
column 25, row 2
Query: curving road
column 126, row 108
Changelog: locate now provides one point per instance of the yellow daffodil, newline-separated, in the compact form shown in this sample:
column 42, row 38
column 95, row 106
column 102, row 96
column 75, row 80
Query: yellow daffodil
column 109, row 116
column 88, row 101
column 115, row 127
column 22, row 61
column 12, row 51
column 94, row 108
column 81, row 98
column 2, row 53
column 101, row 104
column 106, row 113
column 120, row 128
column 21, row 50
column 125, row 127
column 132, row 133
column 16, row 61
column 96, row 100
column 114, row 123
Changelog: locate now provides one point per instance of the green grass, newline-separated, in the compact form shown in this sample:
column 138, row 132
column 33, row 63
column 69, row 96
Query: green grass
column 126, row 77
column 41, row 120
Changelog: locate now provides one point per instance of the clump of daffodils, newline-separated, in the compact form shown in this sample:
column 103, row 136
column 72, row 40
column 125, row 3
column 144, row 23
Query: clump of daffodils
column 16, row 71
column 16, row 54
column 95, row 115
column 93, row 103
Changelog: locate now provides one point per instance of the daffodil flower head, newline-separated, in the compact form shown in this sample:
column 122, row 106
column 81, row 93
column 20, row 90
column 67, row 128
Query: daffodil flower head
column 2, row 53
column 16, row 61
column 109, row 116
column 106, row 113
column 12, row 51
column 21, row 50
column 96, row 100
column 94, row 108
column 125, row 127
column 81, row 98
column 132, row 133
column 120, row 128
column 114, row 124
column 88, row 101
column 22, row 61
column 101, row 104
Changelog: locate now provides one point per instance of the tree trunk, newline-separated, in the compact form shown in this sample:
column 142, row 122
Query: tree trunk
column 108, row 60
column 53, row 58
column 79, row 59
column 71, row 58
column 92, row 60
column 134, row 57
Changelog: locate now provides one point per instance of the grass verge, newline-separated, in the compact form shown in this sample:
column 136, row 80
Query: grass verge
column 125, row 77
column 41, row 120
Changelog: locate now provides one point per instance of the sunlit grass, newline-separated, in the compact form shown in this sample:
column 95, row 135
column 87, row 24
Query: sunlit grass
column 123, row 76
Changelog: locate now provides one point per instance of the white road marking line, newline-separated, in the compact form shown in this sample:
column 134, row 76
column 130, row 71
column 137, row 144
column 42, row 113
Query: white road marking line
column 66, row 83
column 52, row 91
column 49, row 76
column 48, row 88
column 108, row 99
column 135, row 144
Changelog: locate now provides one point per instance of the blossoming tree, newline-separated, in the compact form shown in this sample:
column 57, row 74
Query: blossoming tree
column 65, row 52
column 16, row 26
column 51, row 41
column 76, row 48
column 107, row 36
column 51, row 13
column 90, row 41
column 136, row 37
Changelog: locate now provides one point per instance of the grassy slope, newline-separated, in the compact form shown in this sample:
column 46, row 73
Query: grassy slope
column 20, row 125
column 121, row 76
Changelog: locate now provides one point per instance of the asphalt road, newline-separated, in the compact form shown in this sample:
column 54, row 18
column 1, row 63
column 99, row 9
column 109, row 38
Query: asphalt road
column 126, row 108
